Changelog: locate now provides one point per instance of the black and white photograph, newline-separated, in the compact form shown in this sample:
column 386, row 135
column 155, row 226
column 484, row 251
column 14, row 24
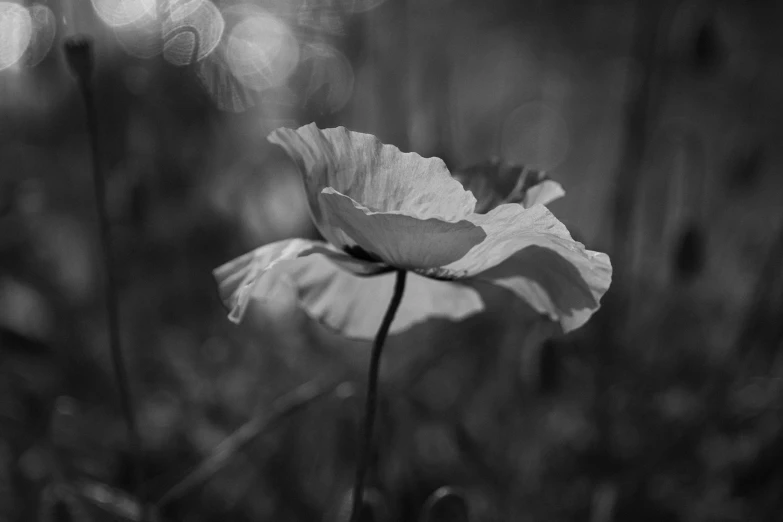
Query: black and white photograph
column 391, row 261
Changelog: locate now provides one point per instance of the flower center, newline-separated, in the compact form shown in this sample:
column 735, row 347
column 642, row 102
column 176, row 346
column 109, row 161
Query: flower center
column 441, row 273
column 360, row 253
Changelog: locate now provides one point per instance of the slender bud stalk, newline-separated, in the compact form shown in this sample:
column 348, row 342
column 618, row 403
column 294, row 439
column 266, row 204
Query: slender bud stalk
column 78, row 54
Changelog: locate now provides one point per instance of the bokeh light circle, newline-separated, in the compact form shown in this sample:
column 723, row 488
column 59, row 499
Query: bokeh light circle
column 142, row 38
column 180, row 10
column 331, row 80
column 16, row 31
column 141, row 44
column 118, row 13
column 535, row 134
column 225, row 90
column 180, row 48
column 44, row 28
column 192, row 30
column 261, row 52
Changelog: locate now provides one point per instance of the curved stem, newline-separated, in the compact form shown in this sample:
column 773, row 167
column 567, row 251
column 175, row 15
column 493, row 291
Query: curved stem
column 79, row 55
column 372, row 392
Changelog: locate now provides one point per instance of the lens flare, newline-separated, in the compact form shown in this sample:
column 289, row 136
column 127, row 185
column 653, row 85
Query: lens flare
column 44, row 27
column 180, row 48
column 192, row 29
column 321, row 18
column 261, row 52
column 183, row 9
column 228, row 93
column 142, row 38
column 16, row 30
column 119, row 13
column 330, row 84
column 185, row 31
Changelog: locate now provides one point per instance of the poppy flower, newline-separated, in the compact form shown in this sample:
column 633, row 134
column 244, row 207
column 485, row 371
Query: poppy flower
column 381, row 210
column 494, row 183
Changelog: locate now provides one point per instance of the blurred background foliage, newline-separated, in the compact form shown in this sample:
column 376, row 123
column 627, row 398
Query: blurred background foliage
column 663, row 122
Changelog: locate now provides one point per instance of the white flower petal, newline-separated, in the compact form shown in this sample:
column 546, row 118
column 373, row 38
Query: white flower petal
column 377, row 176
column 351, row 305
column 253, row 274
column 542, row 193
column 400, row 240
column 529, row 252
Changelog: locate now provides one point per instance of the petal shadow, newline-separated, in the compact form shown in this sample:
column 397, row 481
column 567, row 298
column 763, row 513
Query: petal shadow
column 352, row 305
column 401, row 240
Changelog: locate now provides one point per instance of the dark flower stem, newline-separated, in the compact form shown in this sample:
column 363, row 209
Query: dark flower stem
column 372, row 393
column 78, row 52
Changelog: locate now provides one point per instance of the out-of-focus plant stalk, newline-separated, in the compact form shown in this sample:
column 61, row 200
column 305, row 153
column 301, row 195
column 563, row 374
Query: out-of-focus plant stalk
column 78, row 54
column 760, row 334
column 372, row 395
column 639, row 107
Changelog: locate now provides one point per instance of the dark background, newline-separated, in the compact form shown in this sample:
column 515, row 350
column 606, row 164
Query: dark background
column 661, row 119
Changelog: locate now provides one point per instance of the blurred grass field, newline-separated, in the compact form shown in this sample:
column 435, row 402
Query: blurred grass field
column 665, row 407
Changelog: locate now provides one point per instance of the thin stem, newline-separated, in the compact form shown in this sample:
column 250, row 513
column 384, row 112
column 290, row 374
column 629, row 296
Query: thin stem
column 372, row 392
column 79, row 54
column 640, row 105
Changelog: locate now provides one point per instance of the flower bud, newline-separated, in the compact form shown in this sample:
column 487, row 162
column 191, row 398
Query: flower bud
column 708, row 53
column 446, row 504
column 689, row 254
column 78, row 55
